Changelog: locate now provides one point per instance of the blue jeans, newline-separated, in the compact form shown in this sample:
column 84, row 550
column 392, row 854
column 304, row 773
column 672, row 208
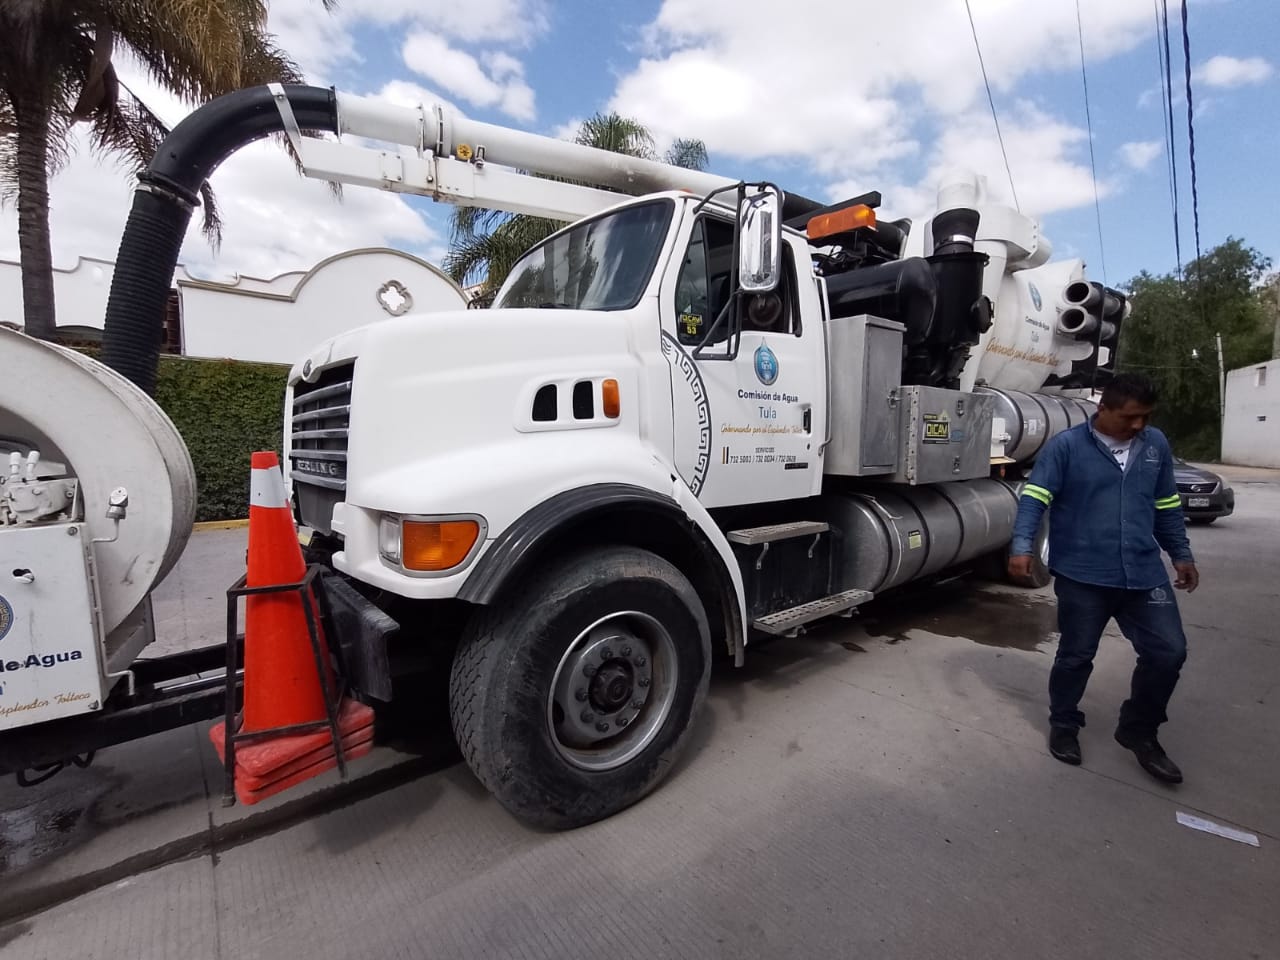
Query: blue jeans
column 1149, row 620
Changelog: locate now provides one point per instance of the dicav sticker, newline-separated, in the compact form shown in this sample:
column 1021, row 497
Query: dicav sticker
column 937, row 428
column 690, row 323
column 915, row 540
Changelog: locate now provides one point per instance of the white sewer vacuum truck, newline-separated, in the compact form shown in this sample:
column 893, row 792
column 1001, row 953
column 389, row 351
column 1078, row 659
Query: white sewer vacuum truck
column 704, row 412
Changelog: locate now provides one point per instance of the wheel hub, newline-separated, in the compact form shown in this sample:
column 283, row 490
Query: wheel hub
column 612, row 686
column 607, row 701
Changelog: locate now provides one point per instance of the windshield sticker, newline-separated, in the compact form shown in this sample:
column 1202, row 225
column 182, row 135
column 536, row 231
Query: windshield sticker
column 690, row 323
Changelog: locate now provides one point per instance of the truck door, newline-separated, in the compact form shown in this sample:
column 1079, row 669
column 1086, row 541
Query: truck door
column 747, row 429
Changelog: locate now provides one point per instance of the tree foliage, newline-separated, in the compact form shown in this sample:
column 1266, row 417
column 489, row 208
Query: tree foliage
column 57, row 70
column 485, row 244
column 1171, row 333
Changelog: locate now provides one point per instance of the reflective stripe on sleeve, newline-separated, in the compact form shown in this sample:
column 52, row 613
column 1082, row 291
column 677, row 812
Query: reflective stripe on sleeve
column 1037, row 493
column 1169, row 503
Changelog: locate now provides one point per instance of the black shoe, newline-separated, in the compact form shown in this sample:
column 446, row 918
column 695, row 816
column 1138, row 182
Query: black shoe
column 1151, row 756
column 1064, row 745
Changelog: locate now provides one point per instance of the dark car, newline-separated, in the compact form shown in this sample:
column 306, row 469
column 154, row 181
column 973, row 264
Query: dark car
column 1205, row 495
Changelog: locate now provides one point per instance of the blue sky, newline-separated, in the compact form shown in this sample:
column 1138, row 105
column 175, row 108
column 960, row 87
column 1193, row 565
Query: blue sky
column 826, row 99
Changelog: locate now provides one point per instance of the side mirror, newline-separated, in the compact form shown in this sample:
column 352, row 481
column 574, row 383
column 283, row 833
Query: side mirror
column 760, row 241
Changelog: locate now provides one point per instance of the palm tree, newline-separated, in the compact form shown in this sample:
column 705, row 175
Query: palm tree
column 485, row 244
column 56, row 71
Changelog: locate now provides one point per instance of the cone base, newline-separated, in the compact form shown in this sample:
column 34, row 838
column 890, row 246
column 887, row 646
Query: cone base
column 248, row 796
column 267, row 766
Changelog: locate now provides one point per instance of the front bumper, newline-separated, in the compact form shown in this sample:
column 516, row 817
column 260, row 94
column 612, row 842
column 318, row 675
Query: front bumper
column 1220, row 503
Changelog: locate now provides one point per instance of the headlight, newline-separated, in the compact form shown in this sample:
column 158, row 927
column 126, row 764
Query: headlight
column 389, row 538
column 428, row 546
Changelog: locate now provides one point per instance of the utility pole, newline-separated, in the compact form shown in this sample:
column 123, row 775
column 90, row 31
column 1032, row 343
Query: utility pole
column 1222, row 397
column 1275, row 315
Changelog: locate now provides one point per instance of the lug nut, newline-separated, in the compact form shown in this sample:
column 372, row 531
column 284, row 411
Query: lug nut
column 626, row 651
column 606, row 654
column 641, row 661
column 589, row 670
column 637, row 704
column 602, row 727
column 580, row 694
column 623, row 721
column 643, row 681
column 588, row 716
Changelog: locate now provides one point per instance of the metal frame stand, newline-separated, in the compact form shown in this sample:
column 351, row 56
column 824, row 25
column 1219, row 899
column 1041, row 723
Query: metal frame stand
column 310, row 585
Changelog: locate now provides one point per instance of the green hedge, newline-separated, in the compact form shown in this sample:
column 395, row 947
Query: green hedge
column 225, row 410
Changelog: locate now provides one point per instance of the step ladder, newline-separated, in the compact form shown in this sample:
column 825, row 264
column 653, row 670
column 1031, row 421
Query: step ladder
column 791, row 622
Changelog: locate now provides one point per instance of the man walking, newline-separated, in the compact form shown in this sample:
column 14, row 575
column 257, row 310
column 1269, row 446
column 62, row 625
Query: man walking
column 1108, row 485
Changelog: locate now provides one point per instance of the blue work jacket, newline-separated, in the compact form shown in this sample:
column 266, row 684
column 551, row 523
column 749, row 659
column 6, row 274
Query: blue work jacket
column 1106, row 525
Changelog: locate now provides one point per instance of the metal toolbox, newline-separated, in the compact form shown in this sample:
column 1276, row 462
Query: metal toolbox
column 946, row 435
column 866, row 374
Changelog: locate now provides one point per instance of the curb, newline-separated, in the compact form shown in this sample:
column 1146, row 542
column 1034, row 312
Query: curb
column 220, row 838
column 206, row 525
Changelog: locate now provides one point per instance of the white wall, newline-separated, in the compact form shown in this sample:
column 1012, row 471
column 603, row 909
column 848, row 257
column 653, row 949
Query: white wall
column 79, row 291
column 276, row 320
column 281, row 319
column 1251, row 426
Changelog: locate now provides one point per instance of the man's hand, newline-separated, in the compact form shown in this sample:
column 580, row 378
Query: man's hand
column 1188, row 577
column 1020, row 568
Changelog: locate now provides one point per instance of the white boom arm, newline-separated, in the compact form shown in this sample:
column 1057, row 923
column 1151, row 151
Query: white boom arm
column 458, row 160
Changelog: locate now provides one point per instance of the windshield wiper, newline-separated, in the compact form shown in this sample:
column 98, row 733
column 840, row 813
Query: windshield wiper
column 548, row 305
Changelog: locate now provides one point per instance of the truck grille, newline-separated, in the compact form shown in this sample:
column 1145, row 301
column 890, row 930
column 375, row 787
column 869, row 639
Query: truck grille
column 321, row 417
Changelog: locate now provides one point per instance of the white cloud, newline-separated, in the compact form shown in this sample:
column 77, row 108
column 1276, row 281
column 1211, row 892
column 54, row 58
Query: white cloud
column 878, row 113
column 274, row 219
column 878, row 93
column 501, row 85
column 1228, row 72
column 1139, row 154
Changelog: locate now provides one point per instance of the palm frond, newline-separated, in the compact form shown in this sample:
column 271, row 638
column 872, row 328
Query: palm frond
column 687, row 153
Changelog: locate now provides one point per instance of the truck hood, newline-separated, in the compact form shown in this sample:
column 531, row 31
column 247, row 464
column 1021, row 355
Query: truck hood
column 432, row 395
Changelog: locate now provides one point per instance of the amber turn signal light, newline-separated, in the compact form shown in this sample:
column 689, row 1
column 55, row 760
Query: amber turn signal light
column 841, row 221
column 611, row 399
column 434, row 545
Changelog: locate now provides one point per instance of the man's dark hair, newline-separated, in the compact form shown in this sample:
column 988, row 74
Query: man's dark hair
column 1124, row 387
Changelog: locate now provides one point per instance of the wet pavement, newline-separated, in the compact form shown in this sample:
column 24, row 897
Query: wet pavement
column 876, row 787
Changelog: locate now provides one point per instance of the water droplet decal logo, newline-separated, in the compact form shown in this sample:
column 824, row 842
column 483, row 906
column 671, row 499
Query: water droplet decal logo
column 1035, row 295
column 6, row 617
column 766, row 365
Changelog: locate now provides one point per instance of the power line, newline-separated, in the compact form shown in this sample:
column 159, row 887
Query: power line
column 991, row 100
column 1093, row 166
column 1191, row 130
column 1168, row 105
column 1169, row 169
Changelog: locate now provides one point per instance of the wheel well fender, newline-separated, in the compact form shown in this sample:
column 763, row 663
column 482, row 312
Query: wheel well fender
column 615, row 513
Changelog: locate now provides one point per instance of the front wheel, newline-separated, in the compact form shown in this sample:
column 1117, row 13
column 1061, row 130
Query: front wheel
column 573, row 700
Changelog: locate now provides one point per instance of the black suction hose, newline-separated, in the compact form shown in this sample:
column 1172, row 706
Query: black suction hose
column 168, row 192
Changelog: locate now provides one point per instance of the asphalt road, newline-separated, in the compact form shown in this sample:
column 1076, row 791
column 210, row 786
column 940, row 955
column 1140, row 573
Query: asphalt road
column 880, row 788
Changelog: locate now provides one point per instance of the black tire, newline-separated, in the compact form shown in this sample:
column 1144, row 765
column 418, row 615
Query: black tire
column 1201, row 521
column 503, row 685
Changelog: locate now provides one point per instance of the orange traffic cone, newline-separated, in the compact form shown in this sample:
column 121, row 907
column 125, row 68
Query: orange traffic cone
column 281, row 685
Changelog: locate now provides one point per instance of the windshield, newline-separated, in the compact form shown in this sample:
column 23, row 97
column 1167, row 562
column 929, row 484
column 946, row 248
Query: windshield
column 600, row 264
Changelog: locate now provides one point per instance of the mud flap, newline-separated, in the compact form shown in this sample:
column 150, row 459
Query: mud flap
column 362, row 632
